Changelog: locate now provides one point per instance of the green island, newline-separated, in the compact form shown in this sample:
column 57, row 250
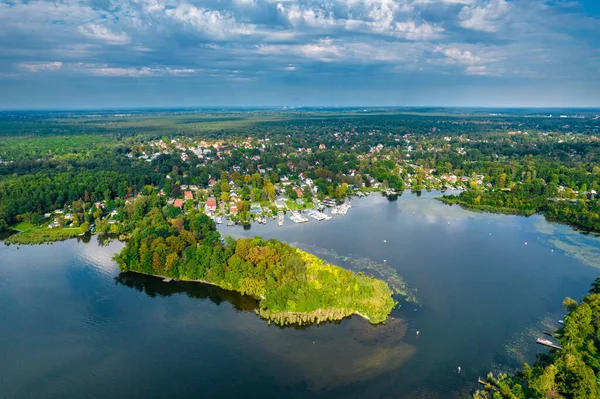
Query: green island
column 294, row 286
column 570, row 372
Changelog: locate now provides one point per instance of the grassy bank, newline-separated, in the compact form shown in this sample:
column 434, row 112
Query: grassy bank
column 30, row 234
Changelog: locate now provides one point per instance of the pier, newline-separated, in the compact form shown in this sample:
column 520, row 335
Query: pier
column 167, row 280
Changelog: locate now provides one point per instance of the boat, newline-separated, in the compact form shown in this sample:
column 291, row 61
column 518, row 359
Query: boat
column 230, row 223
column 544, row 341
column 547, row 342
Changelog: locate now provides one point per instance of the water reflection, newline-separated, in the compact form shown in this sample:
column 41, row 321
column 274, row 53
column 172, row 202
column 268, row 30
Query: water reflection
column 155, row 287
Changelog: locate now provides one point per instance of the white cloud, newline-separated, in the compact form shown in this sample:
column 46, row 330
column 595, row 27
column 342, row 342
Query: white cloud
column 477, row 70
column 484, row 17
column 216, row 24
column 314, row 17
column 462, row 2
column 101, row 32
column 328, row 50
column 132, row 72
column 43, row 66
column 455, row 55
column 324, row 50
column 373, row 17
column 410, row 30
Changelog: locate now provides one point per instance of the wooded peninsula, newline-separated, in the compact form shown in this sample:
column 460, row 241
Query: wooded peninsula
column 294, row 286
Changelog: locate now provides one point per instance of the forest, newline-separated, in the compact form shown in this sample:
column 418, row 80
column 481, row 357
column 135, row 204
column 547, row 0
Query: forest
column 571, row 372
column 293, row 286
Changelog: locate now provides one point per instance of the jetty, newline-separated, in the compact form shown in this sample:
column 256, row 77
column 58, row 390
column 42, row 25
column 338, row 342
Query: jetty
column 317, row 215
column 548, row 343
column 167, row 280
column 296, row 217
column 486, row 384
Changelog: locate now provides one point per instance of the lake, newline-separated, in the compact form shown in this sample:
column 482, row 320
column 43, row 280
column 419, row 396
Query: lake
column 486, row 285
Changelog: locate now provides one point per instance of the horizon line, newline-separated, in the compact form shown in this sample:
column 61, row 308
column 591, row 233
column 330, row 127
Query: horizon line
column 300, row 107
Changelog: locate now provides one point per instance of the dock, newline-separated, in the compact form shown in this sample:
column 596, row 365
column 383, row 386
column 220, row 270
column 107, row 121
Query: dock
column 548, row 343
column 167, row 280
column 485, row 383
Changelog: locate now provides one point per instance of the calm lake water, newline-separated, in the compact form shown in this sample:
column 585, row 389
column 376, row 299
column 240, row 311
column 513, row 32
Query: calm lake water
column 71, row 326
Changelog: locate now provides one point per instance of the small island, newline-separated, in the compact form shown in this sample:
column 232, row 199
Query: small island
column 294, row 287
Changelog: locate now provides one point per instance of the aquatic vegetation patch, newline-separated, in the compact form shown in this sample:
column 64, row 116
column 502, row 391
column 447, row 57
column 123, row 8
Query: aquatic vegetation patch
column 584, row 253
column 360, row 264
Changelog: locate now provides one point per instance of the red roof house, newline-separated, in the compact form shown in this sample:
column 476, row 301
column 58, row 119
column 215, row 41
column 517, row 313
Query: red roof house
column 211, row 204
column 188, row 195
column 178, row 203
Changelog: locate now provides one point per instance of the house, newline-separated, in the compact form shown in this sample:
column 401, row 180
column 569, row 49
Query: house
column 299, row 193
column 211, row 205
column 188, row 195
column 178, row 203
column 233, row 208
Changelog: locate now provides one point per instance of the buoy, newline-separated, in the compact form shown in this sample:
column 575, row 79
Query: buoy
column 551, row 250
column 448, row 223
column 417, row 332
column 384, row 261
column 384, row 240
column 525, row 243
column 458, row 369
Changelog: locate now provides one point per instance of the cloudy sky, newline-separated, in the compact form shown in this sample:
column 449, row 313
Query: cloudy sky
column 132, row 53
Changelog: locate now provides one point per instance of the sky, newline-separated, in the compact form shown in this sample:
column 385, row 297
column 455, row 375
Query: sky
column 75, row 54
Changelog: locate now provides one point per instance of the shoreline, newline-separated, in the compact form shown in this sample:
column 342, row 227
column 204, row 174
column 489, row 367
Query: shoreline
column 317, row 316
column 516, row 212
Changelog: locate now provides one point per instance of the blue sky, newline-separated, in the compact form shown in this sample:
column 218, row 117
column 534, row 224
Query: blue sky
column 164, row 53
